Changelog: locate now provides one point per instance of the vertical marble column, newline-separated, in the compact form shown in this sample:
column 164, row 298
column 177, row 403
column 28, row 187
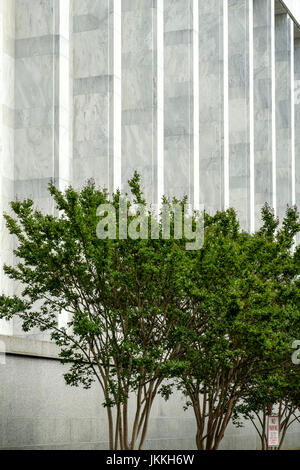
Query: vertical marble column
column 297, row 122
column 241, row 117
column 213, row 63
column 93, row 90
column 264, row 105
column 7, row 65
column 285, row 117
column 37, row 110
column 179, row 98
column 42, row 146
column 142, row 95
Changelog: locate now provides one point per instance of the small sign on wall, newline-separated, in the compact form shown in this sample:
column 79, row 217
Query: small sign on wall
column 273, row 431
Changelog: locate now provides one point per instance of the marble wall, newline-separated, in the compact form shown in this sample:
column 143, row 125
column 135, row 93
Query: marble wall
column 189, row 93
column 197, row 96
column 44, row 413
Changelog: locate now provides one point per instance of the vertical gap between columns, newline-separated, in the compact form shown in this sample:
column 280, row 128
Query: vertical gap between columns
column 117, row 91
column 54, row 85
column 160, row 100
column 64, row 95
column 226, row 104
column 196, row 111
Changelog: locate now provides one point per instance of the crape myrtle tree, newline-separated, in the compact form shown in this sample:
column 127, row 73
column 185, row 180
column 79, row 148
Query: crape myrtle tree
column 123, row 297
column 276, row 394
column 244, row 303
column 277, row 389
column 145, row 309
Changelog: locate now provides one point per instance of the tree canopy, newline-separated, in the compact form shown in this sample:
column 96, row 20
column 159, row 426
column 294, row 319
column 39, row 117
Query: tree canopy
column 244, row 302
column 122, row 297
column 148, row 313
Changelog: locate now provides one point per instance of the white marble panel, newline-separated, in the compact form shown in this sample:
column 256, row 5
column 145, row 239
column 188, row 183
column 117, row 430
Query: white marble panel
column 34, row 153
column 284, row 112
column 90, row 53
column 264, row 105
column 240, row 76
column 34, row 18
column 90, row 118
column 96, row 92
column 140, row 57
column 84, row 168
column 212, row 96
column 34, row 82
column 179, row 98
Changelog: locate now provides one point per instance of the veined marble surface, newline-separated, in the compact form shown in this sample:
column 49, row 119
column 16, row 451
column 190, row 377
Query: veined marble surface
column 200, row 97
column 178, row 98
column 285, row 125
column 240, row 75
column 213, row 98
column 264, row 105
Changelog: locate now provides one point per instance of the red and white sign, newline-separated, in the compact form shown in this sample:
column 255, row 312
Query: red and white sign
column 273, row 431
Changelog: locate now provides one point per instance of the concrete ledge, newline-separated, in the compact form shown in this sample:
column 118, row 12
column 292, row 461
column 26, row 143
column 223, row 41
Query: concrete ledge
column 22, row 346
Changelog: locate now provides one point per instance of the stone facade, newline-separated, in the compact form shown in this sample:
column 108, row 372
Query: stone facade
column 201, row 97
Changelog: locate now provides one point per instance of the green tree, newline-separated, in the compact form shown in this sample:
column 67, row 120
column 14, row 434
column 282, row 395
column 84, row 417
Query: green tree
column 277, row 389
column 122, row 296
column 244, row 303
column 271, row 394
